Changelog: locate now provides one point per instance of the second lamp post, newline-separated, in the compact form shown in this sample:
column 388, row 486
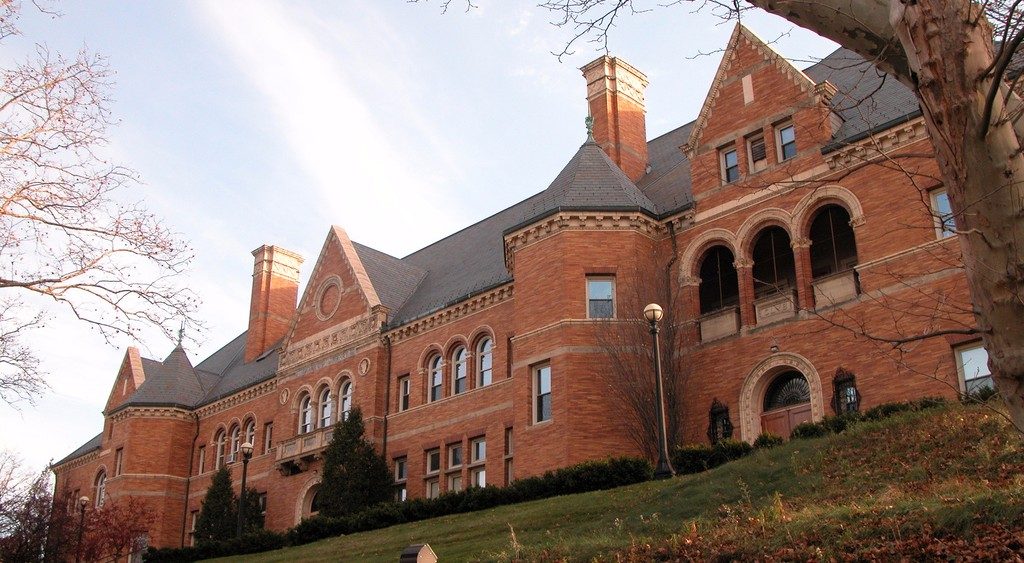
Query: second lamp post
column 246, row 455
column 653, row 314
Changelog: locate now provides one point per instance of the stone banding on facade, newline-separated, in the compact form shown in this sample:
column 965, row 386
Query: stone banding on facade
column 638, row 212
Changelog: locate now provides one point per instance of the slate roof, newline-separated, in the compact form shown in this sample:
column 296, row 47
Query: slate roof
column 472, row 260
column 92, row 445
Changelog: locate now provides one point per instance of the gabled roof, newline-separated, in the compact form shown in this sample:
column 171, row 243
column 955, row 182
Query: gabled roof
column 393, row 279
column 741, row 33
column 92, row 445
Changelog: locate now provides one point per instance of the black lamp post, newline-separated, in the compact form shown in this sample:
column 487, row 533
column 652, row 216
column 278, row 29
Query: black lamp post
column 653, row 314
column 82, row 503
column 246, row 455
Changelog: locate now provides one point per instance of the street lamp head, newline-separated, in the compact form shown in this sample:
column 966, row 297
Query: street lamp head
column 653, row 313
column 247, row 449
column 82, row 501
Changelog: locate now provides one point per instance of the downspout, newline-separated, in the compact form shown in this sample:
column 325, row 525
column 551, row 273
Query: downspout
column 671, row 261
column 188, row 480
column 387, row 395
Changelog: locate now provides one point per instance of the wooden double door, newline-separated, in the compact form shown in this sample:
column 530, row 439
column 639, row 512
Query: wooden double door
column 782, row 421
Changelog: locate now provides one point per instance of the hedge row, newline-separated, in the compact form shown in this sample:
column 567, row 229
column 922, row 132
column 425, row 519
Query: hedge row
column 694, row 458
column 584, row 477
column 837, row 424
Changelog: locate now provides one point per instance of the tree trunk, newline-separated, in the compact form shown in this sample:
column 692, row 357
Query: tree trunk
column 943, row 50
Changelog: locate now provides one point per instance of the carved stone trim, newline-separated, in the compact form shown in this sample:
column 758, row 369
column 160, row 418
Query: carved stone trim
column 582, row 221
column 152, row 412
column 876, row 145
column 757, row 381
column 340, row 336
column 444, row 316
column 245, row 395
column 76, row 462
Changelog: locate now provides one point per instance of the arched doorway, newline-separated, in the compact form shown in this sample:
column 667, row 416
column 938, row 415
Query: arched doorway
column 787, row 403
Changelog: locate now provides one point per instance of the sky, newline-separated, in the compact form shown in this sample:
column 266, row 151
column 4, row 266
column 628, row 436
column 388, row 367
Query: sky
column 262, row 122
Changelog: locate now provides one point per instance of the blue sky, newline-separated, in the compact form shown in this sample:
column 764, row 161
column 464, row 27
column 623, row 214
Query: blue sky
column 265, row 122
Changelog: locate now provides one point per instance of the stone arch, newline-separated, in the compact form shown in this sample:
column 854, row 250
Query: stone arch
column 299, row 393
column 689, row 266
column 757, row 381
column 453, row 343
column 428, row 353
column 825, row 195
column 752, row 226
column 305, row 498
column 478, row 334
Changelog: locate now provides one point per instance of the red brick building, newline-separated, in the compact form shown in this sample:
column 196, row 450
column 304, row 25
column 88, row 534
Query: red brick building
column 794, row 215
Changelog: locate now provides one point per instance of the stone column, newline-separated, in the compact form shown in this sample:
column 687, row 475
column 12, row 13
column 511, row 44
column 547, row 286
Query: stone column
column 745, row 275
column 802, row 260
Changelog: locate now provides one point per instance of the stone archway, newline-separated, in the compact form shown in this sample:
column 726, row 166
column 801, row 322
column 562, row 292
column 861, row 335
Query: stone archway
column 304, row 503
column 757, row 381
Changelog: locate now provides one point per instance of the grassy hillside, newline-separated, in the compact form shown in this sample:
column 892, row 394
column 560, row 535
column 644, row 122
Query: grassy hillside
column 945, row 482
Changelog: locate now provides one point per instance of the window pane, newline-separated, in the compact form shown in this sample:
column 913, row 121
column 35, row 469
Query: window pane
column 544, row 380
column 944, row 212
column 787, row 142
column 731, row 165
column 601, row 296
column 485, row 362
column 974, row 363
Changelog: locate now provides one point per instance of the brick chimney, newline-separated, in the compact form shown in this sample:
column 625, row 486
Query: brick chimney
column 615, row 96
column 275, row 293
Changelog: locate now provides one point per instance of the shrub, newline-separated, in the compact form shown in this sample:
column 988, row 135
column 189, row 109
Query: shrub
column 218, row 518
column 982, row 395
column 934, row 402
column 806, row 430
column 886, row 410
column 729, row 450
column 768, row 440
column 839, row 423
column 692, row 458
column 257, row 541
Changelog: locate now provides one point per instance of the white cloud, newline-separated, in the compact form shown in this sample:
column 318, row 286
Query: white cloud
column 321, row 108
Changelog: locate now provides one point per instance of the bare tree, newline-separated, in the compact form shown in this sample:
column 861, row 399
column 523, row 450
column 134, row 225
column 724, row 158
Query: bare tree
column 954, row 55
column 31, row 524
column 629, row 376
column 68, row 235
column 116, row 530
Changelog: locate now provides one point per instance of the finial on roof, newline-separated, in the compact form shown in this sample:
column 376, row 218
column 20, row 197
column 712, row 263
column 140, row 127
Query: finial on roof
column 590, row 128
column 181, row 333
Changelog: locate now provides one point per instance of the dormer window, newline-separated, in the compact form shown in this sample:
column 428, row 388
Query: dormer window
column 730, row 165
column 757, row 153
column 786, row 139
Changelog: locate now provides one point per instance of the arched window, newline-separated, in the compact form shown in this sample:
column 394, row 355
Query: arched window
column 484, row 362
column 346, row 399
column 459, row 381
column 250, row 431
column 221, row 441
column 436, row 379
column 788, row 389
column 833, row 246
column 101, row 488
column 305, row 414
column 314, row 504
column 326, row 402
column 719, row 284
column 719, row 424
column 774, row 269
column 236, row 443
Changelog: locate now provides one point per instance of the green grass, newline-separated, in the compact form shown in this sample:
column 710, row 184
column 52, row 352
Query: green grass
column 947, row 469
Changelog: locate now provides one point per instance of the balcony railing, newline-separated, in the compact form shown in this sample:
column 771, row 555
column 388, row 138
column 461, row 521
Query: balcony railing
column 293, row 456
column 775, row 307
column 719, row 324
column 836, row 288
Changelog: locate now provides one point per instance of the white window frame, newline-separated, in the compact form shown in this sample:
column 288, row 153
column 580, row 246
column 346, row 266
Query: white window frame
column 202, row 460
column 478, row 477
column 460, row 370
column 268, row 436
column 401, row 469
column 778, row 141
column 723, row 168
column 937, row 218
column 249, row 431
column 404, row 392
column 118, row 461
column 484, row 376
column 452, row 448
column 435, row 369
column 305, row 414
column 325, row 407
column 429, row 454
column 221, row 444
column 478, row 450
column 101, row 488
column 602, row 278
column 536, row 375
column 958, row 354
column 454, row 482
column 433, row 488
column 346, row 398
column 234, row 443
